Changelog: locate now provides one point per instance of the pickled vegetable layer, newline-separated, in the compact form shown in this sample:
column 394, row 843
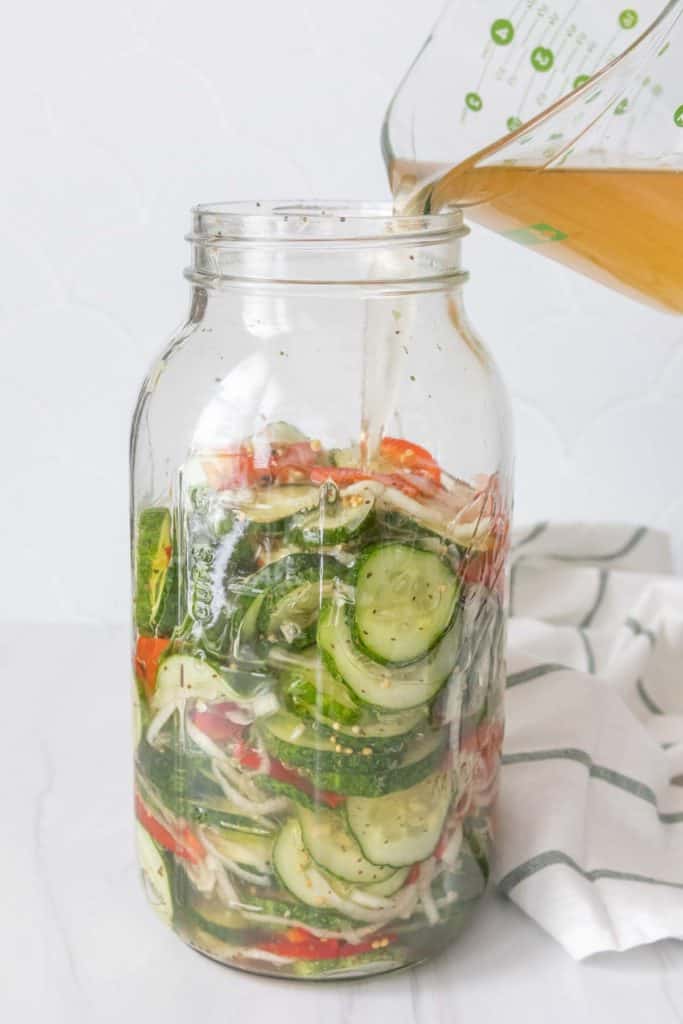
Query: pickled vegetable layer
column 319, row 671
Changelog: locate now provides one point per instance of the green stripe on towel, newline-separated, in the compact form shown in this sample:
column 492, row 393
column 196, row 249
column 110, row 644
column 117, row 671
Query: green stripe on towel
column 628, row 547
column 640, row 630
column 552, row 857
column 602, row 587
column 527, row 674
column 647, row 700
column 597, row 771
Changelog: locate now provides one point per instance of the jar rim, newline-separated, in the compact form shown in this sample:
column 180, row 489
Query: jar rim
column 303, row 221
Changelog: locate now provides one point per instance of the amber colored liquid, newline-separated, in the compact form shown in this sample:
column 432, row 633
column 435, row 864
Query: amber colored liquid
column 621, row 227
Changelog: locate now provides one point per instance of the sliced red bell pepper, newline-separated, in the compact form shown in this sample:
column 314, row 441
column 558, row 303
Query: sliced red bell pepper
column 293, row 461
column 413, row 875
column 302, row 945
column 311, row 948
column 214, row 724
column 410, row 456
column 148, row 651
column 187, row 846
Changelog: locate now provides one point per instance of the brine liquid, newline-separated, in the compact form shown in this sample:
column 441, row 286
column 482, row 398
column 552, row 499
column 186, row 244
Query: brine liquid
column 622, row 227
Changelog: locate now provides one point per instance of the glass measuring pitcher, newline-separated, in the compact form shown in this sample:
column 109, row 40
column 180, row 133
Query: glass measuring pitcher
column 559, row 124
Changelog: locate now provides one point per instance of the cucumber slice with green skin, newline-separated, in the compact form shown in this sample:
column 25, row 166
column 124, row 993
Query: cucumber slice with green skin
column 327, row 838
column 279, row 788
column 290, row 608
column 295, row 743
column 297, row 871
column 405, row 601
column 418, row 761
column 274, row 506
column 356, row 965
column 248, row 595
column 310, row 885
column 389, row 886
column 220, row 813
column 310, row 694
column 220, row 921
column 394, row 689
column 402, row 828
column 253, row 851
column 155, row 874
column 255, row 905
column 155, row 574
column 383, row 733
column 337, row 522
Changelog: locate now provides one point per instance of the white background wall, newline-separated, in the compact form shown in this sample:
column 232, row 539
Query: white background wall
column 118, row 116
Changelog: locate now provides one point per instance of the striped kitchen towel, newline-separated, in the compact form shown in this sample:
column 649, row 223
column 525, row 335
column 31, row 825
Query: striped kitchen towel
column 590, row 820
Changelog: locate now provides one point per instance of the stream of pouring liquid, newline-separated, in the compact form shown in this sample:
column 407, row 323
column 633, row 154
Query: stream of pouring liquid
column 622, row 227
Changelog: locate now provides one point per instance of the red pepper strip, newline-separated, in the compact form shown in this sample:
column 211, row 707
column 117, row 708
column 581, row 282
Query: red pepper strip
column 227, row 470
column 247, row 756
column 309, row 947
column 413, row 875
column 148, row 650
column 346, row 475
column 188, row 847
column 215, row 725
column 292, row 461
column 410, row 456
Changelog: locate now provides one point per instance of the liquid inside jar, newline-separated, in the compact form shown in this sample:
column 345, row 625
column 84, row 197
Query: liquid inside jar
column 319, row 669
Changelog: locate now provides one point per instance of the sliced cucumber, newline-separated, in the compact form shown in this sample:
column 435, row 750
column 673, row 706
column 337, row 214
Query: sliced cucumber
column 253, row 851
column 219, row 921
column 418, row 761
column 221, row 813
column 155, row 574
column 392, row 689
column 310, row 885
column 382, row 732
column 355, row 965
column 183, row 677
column 275, row 505
column 155, row 874
column 389, row 886
column 327, row 838
column 402, row 828
column 255, row 905
column 295, row 743
column 248, row 595
column 335, row 522
column 290, row 609
column 405, row 600
column 297, row 871
column 318, row 694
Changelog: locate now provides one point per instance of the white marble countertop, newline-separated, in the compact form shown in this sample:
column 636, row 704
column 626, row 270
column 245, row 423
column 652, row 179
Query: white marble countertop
column 79, row 945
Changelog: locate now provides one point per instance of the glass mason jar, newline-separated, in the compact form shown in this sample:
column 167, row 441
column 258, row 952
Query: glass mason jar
column 321, row 487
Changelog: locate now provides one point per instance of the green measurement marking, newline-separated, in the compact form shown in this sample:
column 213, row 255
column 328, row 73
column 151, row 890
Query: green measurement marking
column 513, row 123
column 535, row 234
column 628, row 18
column 621, row 107
column 502, row 32
column 678, row 116
column 581, row 80
column 474, row 101
column 542, row 58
